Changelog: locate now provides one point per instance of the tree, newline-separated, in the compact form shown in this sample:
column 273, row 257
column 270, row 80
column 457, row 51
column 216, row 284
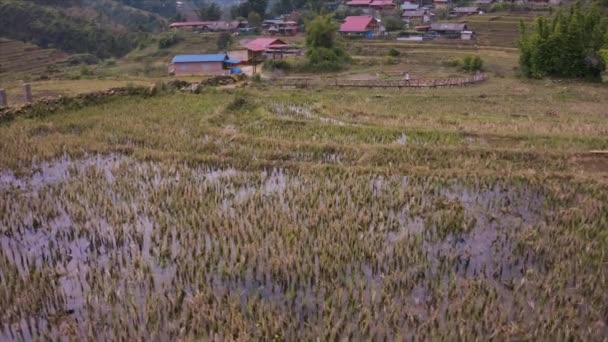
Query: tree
column 258, row 6
column 392, row 23
column 323, row 52
column 282, row 7
column 224, row 40
column 564, row 45
column 255, row 20
column 209, row 11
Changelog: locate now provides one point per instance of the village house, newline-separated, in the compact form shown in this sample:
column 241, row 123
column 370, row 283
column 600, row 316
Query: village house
column 441, row 4
column 359, row 3
column 408, row 6
column 382, row 5
column 262, row 48
column 211, row 64
column 419, row 17
column 450, row 30
column 363, row 25
column 462, row 11
column 281, row 27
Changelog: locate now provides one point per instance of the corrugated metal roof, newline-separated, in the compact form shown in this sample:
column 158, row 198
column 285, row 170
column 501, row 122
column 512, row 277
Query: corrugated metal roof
column 448, row 27
column 413, row 14
column 220, row 57
column 466, row 9
column 356, row 23
column 409, row 7
column 382, row 3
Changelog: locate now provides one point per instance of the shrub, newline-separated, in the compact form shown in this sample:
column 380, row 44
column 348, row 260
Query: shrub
column 277, row 64
column 472, row 63
column 453, row 62
column 169, row 39
column 394, row 52
column 82, row 58
column 240, row 102
column 392, row 23
column 224, row 40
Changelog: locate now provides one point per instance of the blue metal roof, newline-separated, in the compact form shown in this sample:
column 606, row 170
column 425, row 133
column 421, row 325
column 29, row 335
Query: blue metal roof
column 220, row 57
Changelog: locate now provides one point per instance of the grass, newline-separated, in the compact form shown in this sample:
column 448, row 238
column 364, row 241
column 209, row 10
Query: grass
column 300, row 214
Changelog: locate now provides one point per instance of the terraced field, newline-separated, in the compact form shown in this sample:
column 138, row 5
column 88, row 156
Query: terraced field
column 19, row 59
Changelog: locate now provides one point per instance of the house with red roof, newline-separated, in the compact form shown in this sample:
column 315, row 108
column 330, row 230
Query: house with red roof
column 361, row 25
column 359, row 3
column 261, row 48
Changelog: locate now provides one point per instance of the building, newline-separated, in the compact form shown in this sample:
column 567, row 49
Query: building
column 449, row 30
column 215, row 64
column 359, row 3
column 407, row 6
column 412, row 18
column 441, row 3
column 281, row 27
column 383, row 5
column 462, row 11
column 363, row 25
column 261, row 48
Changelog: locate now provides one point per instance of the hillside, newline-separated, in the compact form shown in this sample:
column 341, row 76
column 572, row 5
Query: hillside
column 19, row 57
column 102, row 27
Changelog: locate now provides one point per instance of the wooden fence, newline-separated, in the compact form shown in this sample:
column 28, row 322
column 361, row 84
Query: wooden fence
column 419, row 83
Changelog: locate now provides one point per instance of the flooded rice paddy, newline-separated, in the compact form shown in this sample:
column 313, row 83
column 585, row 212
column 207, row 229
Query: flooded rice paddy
column 107, row 247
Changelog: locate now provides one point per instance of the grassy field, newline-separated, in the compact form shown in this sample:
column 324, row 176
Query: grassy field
column 263, row 213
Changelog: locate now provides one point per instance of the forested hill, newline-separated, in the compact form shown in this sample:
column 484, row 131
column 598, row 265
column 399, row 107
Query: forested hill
column 101, row 27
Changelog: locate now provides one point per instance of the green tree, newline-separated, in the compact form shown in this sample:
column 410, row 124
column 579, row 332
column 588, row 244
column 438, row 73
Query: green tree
column 564, row 45
column 258, row 6
column 255, row 20
column 209, row 11
column 224, row 40
column 323, row 52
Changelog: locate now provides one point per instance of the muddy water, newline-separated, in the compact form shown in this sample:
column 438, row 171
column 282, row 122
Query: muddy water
column 123, row 240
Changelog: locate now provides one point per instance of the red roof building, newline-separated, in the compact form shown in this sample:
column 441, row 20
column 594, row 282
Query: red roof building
column 359, row 3
column 363, row 25
column 258, row 48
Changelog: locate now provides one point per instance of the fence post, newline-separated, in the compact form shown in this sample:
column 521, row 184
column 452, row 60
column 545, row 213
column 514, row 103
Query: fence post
column 27, row 92
column 3, row 102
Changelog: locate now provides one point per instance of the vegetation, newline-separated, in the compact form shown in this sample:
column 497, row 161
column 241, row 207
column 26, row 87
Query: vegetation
column 323, row 51
column 304, row 214
column 170, row 38
column 224, row 40
column 52, row 27
column 392, row 23
column 209, row 11
column 472, row 63
column 566, row 45
column 251, row 6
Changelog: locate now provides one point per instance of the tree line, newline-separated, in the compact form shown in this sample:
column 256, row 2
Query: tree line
column 569, row 44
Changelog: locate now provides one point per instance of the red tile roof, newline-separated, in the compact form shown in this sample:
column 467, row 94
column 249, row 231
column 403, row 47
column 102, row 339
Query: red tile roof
column 261, row 44
column 356, row 23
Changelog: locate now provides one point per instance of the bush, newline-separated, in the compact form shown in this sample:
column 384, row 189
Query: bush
column 392, row 23
column 224, row 40
column 169, row 39
column 277, row 64
column 453, row 63
column 82, row 58
column 394, row 52
column 472, row 63
column 240, row 102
